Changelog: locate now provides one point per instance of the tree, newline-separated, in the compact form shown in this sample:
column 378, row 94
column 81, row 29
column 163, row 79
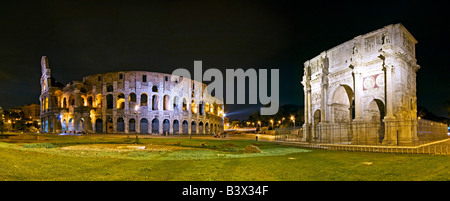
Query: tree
column 2, row 127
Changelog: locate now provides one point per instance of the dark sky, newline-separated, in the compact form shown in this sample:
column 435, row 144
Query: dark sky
column 94, row 36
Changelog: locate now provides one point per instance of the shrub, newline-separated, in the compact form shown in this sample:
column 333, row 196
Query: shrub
column 39, row 145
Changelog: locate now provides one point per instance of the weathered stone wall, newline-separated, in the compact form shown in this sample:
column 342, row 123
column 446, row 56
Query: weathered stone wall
column 371, row 78
column 130, row 102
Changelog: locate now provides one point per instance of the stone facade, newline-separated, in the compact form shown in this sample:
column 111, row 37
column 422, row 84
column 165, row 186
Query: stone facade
column 128, row 102
column 369, row 79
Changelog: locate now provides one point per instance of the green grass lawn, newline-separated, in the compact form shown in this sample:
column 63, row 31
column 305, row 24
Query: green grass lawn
column 85, row 158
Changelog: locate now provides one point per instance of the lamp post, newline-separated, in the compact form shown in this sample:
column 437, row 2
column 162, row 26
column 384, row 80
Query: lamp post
column 271, row 121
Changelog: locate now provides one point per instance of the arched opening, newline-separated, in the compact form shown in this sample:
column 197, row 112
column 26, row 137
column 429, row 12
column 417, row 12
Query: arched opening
column 98, row 100
column 89, row 101
column 143, row 126
column 341, row 104
column 71, row 125
column 109, row 101
column 154, row 88
column 185, row 127
column 166, row 126
column 317, row 117
column 201, row 109
column 175, row 103
column 80, row 125
column 155, row 101
column 206, row 107
column 207, row 131
column 83, row 100
column 376, row 110
column 64, row 103
column 144, row 99
column 64, row 125
column 193, row 107
column 132, row 126
column 132, row 100
column 200, row 128
column 317, row 120
column 120, row 125
column 194, row 127
column 184, row 104
column 176, row 127
column 120, row 101
column 155, row 126
column 376, row 113
column 166, row 102
column 109, row 125
column 98, row 125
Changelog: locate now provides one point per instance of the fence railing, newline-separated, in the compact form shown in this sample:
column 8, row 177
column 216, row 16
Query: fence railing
column 439, row 149
column 412, row 132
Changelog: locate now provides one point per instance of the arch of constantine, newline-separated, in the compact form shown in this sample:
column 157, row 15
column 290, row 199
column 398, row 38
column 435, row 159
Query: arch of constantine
column 364, row 90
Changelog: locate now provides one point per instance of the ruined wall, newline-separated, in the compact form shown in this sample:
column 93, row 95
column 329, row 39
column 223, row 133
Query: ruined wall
column 130, row 102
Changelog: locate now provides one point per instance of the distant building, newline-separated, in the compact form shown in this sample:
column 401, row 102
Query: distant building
column 31, row 112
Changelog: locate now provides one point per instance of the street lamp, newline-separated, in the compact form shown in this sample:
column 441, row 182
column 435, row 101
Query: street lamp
column 271, row 121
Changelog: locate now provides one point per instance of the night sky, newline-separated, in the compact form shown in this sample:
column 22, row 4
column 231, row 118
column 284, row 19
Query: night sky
column 96, row 36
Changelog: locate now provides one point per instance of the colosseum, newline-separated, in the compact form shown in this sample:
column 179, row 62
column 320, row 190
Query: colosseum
column 135, row 102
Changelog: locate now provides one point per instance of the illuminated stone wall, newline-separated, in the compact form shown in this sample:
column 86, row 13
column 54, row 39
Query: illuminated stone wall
column 128, row 102
column 371, row 78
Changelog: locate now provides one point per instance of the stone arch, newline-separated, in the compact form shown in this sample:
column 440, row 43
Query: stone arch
column 200, row 128
column 64, row 125
column 90, row 101
column 109, row 124
column 207, row 131
column 144, row 99
column 155, row 89
column 120, row 125
column 166, row 105
column 193, row 127
column 375, row 110
column 184, row 104
column 98, row 125
column 64, row 102
column 375, row 113
column 317, row 117
column 185, row 127
column 201, row 108
column 155, row 102
column 166, row 126
column 109, row 101
column 71, row 124
column 176, row 127
column 176, row 103
column 80, row 126
column 120, row 101
column 132, row 125
column 143, row 125
column 155, row 125
column 341, row 104
column 132, row 100
column 193, row 106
